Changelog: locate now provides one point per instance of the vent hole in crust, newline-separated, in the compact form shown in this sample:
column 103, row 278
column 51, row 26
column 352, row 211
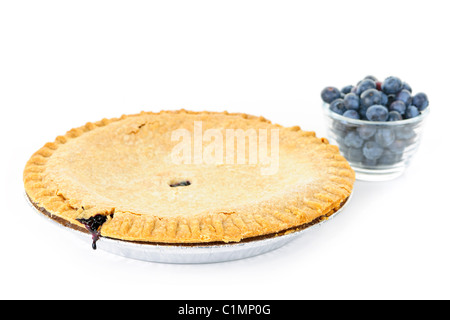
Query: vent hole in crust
column 180, row 183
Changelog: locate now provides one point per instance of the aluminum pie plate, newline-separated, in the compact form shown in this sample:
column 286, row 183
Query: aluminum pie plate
column 192, row 254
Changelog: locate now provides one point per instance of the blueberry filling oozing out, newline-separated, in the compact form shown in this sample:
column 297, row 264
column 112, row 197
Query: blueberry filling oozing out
column 93, row 225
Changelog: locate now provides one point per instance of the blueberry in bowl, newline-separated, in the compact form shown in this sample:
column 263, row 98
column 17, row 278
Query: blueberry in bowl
column 329, row 94
column 370, row 97
column 377, row 125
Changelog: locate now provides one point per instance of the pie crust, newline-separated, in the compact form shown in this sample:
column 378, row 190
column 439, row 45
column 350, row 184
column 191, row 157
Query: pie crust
column 122, row 169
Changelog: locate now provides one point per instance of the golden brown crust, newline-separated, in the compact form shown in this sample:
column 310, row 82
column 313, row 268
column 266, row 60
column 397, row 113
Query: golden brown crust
column 300, row 205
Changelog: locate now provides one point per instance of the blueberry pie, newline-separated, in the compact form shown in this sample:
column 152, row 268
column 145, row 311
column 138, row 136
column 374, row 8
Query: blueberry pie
column 181, row 177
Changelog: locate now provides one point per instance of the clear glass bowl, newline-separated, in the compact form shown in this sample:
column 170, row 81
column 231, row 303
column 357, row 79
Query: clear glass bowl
column 377, row 151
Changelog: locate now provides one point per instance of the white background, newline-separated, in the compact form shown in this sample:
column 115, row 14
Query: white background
column 64, row 63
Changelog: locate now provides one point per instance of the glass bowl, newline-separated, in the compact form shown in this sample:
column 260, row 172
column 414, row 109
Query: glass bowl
column 377, row 151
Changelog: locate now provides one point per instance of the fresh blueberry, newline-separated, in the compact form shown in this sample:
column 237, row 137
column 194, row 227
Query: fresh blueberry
column 391, row 85
column 369, row 162
column 389, row 158
column 384, row 137
column 371, row 78
column 406, row 87
column 420, row 100
column 366, row 132
column 404, row 96
column 384, row 99
column 329, row 94
column 405, row 133
column 398, row 106
column 372, row 150
column 363, row 114
column 394, row 116
column 340, row 140
column 353, row 114
column 353, row 140
column 370, row 97
column 339, row 127
column 410, row 142
column 411, row 112
column 365, row 85
column 351, row 101
column 338, row 106
column 397, row 147
column 354, row 154
column 347, row 89
column 377, row 113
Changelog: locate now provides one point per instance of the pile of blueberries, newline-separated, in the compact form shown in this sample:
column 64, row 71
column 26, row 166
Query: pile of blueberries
column 375, row 101
column 370, row 99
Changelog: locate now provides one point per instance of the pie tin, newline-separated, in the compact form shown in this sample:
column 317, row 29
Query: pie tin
column 192, row 254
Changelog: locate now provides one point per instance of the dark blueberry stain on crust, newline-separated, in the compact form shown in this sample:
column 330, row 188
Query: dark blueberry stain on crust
column 180, row 184
column 93, row 225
